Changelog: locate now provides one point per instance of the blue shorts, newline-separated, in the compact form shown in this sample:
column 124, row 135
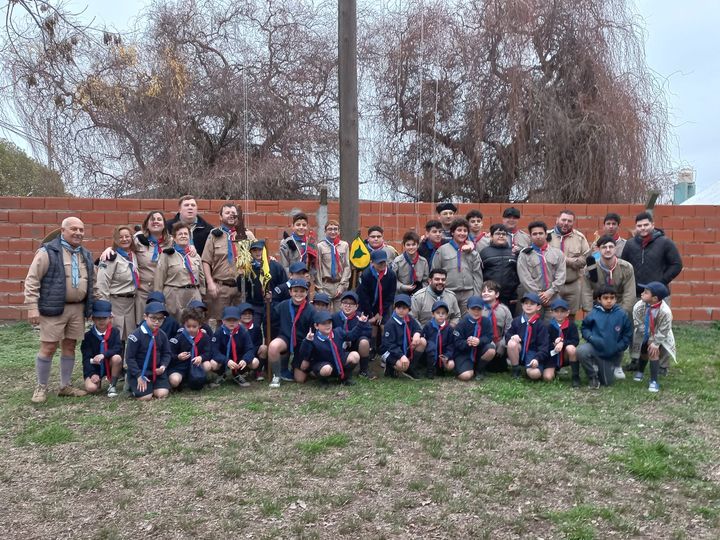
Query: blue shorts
column 465, row 363
column 160, row 383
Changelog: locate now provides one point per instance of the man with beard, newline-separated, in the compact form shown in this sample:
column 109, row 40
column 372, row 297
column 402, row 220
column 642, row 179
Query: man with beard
column 219, row 260
column 500, row 265
column 575, row 247
column 518, row 239
column 199, row 228
column 423, row 300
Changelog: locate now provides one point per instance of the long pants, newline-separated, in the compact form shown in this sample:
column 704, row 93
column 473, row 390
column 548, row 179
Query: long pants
column 595, row 366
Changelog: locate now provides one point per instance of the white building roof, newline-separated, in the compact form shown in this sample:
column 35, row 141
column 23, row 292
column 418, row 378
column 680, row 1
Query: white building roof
column 709, row 195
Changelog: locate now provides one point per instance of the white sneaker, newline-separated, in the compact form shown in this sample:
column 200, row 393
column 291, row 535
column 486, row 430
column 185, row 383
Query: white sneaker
column 112, row 391
column 619, row 373
column 275, row 383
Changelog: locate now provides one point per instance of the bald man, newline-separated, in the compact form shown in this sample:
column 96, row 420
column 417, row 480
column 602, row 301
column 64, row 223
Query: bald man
column 58, row 297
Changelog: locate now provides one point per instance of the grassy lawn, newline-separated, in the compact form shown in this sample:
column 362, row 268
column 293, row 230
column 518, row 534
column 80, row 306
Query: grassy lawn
column 383, row 459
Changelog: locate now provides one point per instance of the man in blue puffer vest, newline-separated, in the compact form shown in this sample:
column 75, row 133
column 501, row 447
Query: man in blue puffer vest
column 58, row 296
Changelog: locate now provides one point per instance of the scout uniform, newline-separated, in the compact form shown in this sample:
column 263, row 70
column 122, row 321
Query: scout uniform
column 534, row 338
column 440, row 343
column 469, row 358
column 94, row 343
column 621, row 276
column 424, row 299
column 180, row 277
column 235, row 345
column 147, row 351
column 411, row 272
column 376, row 290
column 397, row 335
column 147, row 251
column 653, row 324
column 117, row 281
column 541, row 269
column 464, row 271
column 200, row 345
column 333, row 269
column 575, row 247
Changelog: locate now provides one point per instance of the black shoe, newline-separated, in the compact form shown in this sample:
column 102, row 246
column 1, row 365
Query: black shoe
column 479, row 376
column 516, row 374
column 594, row 383
column 633, row 365
column 430, row 375
column 323, row 382
column 576, row 382
column 348, row 382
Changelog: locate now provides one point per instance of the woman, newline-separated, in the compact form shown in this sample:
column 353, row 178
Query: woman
column 179, row 275
column 118, row 279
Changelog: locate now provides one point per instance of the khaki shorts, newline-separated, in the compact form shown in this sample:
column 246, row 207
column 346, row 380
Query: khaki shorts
column 570, row 292
column 69, row 325
column 227, row 296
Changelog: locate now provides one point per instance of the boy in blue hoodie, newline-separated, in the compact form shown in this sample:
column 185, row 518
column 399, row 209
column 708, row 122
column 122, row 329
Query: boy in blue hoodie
column 528, row 342
column 608, row 332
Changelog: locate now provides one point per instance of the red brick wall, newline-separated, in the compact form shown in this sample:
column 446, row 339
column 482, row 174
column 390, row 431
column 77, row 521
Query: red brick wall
column 24, row 221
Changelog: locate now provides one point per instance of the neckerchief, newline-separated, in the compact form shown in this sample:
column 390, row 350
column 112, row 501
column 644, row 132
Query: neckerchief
column 301, row 243
column 438, row 339
column 152, row 349
column 459, row 254
column 432, row 247
column 372, row 249
column 128, row 256
column 513, row 234
column 543, row 263
column 412, row 262
column 346, row 319
column 231, row 349
column 476, row 239
column 249, row 325
column 528, row 333
column 651, row 311
column 104, row 338
column 188, row 264
column 335, row 263
column 608, row 271
column 645, row 241
column 156, row 246
column 295, row 316
column 75, row 262
column 562, row 236
column 193, row 341
column 337, row 360
column 378, row 298
column 561, row 330
column 231, row 245
column 477, row 332
column 616, row 238
column 493, row 318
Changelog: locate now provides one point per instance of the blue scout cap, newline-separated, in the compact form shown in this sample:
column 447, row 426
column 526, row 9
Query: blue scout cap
column 231, row 312
column 298, row 267
column 379, row 255
column 156, row 307
column 657, row 289
column 101, row 308
column 402, row 299
column 298, row 283
column 533, row 297
column 559, row 303
column 155, row 296
column 257, row 244
column 321, row 297
column 197, row 304
column 242, row 308
column 350, row 294
column 322, row 316
column 440, row 304
column 475, row 302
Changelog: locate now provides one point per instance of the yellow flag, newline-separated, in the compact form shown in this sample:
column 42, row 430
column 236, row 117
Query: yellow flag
column 265, row 277
column 359, row 253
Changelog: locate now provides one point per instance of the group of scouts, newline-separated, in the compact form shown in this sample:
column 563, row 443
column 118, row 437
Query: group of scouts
column 181, row 304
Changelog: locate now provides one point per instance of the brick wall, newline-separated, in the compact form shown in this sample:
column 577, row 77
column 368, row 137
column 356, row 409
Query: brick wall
column 24, row 221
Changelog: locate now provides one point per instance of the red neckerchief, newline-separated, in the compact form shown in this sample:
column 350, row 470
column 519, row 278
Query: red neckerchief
column 544, row 270
column 616, row 237
column 562, row 239
column 493, row 317
column 188, row 265
column 564, row 326
column 653, row 313
column 154, row 354
column 195, row 342
column 528, row 338
column 104, row 348
column 299, row 311
column 476, row 239
column 379, row 290
column 608, row 271
column 412, row 262
column 513, row 235
column 249, row 325
column 347, row 318
column 336, row 356
column 233, row 345
column 409, row 337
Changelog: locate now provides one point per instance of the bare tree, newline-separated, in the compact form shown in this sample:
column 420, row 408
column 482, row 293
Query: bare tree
column 495, row 100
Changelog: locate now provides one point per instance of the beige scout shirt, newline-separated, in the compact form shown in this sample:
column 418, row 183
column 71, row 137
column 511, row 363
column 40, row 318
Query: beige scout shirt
column 324, row 264
column 619, row 245
column 623, row 279
column 520, row 240
column 146, row 265
column 469, row 277
column 575, row 249
column 404, row 275
column 171, row 272
column 37, row 271
column 422, row 303
column 529, row 268
column 114, row 278
column 215, row 256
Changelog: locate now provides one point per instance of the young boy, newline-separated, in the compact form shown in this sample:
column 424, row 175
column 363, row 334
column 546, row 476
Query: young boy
column 295, row 318
column 608, row 332
column 564, row 339
column 321, row 302
column 298, row 248
column 377, row 289
column 201, row 312
column 297, row 270
column 254, row 292
column 653, row 337
column 148, row 356
column 190, row 347
column 246, row 319
column 474, row 347
column 438, row 334
column 527, row 340
column 324, row 350
column 170, row 325
column 101, row 350
column 432, row 240
column 410, row 268
column 402, row 341
column 233, row 348
column 376, row 241
column 501, row 318
column 476, row 235
column 333, row 272
column 348, row 319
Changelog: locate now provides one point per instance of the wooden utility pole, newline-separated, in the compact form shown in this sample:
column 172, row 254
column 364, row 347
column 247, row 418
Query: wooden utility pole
column 347, row 78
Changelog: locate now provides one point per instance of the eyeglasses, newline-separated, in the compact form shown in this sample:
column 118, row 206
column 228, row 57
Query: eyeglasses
column 156, row 318
column 347, row 304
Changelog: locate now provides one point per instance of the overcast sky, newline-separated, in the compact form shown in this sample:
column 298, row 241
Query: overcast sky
column 682, row 47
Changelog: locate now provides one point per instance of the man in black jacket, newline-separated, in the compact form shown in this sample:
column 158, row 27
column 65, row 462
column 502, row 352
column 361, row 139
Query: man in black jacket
column 199, row 228
column 500, row 265
column 653, row 255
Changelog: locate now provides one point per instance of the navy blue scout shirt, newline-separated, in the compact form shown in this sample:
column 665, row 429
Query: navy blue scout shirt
column 303, row 315
column 539, row 342
column 253, row 287
column 170, row 326
column 396, row 339
column 256, row 336
column 222, row 348
column 469, row 327
column 340, row 320
column 90, row 347
column 319, row 350
column 369, row 293
column 137, row 348
column 439, row 341
column 570, row 336
column 182, row 343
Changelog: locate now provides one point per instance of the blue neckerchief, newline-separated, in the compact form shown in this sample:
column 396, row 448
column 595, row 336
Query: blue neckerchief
column 431, row 246
column 525, row 344
column 101, row 336
column 402, row 323
column 191, row 339
column 228, row 349
column 150, row 348
column 230, row 255
column 156, row 247
column 125, row 255
column 543, row 264
column 75, row 262
column 459, row 254
column 437, row 327
column 186, row 261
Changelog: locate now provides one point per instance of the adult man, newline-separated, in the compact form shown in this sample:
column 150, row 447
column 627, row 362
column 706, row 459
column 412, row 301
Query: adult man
column 519, row 239
column 575, row 247
column 58, row 295
column 219, row 259
column 446, row 214
column 333, row 265
column 653, row 255
column 609, row 270
column 376, row 241
column 500, row 265
column 611, row 227
column 541, row 267
column 423, row 300
column 199, row 228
